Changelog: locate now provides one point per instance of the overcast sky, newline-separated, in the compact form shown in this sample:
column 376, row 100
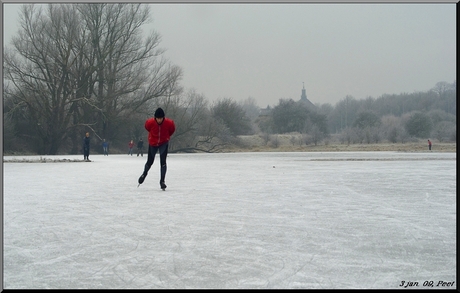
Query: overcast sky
column 267, row 51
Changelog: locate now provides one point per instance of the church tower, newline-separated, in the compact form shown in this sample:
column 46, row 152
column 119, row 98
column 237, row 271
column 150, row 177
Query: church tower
column 304, row 100
column 303, row 97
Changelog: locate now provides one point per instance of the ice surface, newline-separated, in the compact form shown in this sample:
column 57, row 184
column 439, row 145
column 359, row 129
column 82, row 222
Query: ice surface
column 239, row 220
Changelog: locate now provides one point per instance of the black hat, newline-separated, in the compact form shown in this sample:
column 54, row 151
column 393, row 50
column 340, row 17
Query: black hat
column 159, row 113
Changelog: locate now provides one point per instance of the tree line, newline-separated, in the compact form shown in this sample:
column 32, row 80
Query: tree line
column 74, row 68
column 388, row 118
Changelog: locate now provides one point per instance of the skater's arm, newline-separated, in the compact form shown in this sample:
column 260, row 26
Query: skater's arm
column 149, row 123
column 172, row 129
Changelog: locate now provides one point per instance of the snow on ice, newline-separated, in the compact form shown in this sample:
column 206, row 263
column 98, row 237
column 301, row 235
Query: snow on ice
column 238, row 220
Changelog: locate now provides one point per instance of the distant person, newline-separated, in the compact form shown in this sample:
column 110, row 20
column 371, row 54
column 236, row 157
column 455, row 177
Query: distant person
column 160, row 130
column 86, row 142
column 429, row 145
column 130, row 149
column 140, row 147
column 105, row 147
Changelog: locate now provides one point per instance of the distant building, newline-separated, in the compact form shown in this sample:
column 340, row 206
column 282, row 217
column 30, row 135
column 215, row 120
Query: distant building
column 265, row 112
column 303, row 99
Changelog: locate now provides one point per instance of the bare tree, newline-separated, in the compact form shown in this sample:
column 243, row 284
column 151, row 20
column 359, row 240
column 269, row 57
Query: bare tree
column 251, row 109
column 232, row 115
column 77, row 66
column 316, row 134
column 445, row 131
column 39, row 73
column 129, row 70
column 213, row 135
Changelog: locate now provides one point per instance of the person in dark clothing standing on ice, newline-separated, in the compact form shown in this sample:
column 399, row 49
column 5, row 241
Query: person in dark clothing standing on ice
column 160, row 130
column 86, row 141
column 105, row 147
column 140, row 147
column 429, row 145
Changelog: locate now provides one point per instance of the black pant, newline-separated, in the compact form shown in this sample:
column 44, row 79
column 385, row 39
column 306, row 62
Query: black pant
column 86, row 153
column 163, row 149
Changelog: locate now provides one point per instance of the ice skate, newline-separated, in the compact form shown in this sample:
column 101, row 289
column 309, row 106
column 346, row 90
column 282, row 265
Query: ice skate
column 141, row 179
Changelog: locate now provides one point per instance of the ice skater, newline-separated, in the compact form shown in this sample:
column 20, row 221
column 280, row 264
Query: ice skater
column 429, row 145
column 86, row 141
column 140, row 147
column 160, row 130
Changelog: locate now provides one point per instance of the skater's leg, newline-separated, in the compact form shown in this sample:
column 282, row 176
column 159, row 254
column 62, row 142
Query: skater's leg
column 150, row 158
column 163, row 155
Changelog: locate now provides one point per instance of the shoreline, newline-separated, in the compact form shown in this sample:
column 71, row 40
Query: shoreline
column 383, row 147
column 380, row 147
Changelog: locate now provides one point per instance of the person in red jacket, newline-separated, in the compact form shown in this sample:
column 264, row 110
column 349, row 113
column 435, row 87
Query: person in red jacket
column 160, row 130
column 130, row 147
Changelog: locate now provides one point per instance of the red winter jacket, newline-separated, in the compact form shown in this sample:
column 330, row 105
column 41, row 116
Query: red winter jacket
column 159, row 133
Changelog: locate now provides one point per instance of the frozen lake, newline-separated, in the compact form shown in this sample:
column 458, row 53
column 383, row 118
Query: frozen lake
column 239, row 220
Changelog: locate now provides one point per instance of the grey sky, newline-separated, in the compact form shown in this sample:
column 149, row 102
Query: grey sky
column 266, row 51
